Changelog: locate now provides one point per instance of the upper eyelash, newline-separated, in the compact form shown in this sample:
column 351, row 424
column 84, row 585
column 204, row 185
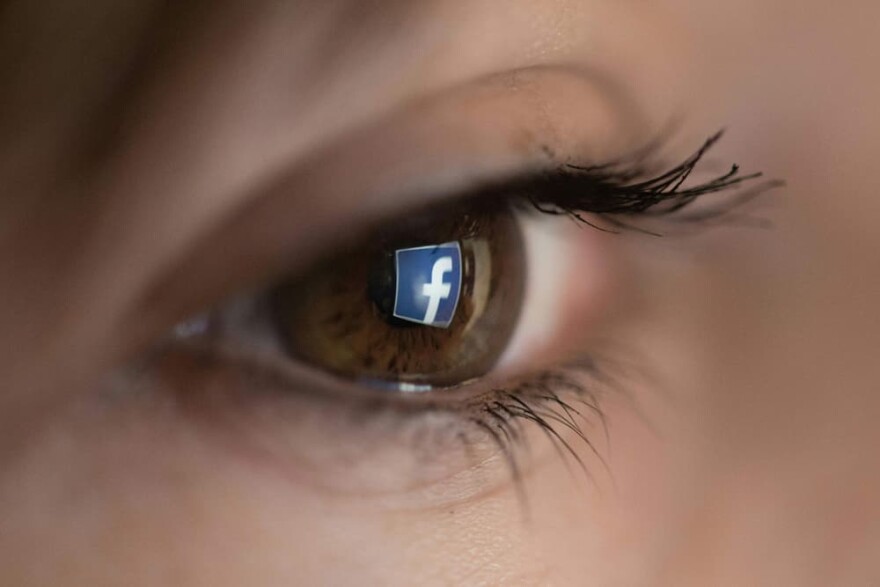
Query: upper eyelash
column 626, row 188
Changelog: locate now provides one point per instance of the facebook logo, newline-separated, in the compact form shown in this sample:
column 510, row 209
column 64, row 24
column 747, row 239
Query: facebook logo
column 428, row 284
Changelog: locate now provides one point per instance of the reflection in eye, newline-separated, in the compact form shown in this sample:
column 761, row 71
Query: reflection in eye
column 431, row 302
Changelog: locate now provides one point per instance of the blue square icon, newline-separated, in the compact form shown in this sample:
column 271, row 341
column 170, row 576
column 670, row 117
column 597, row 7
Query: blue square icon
column 428, row 284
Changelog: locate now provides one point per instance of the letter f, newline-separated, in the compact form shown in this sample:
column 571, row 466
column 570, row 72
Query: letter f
column 438, row 289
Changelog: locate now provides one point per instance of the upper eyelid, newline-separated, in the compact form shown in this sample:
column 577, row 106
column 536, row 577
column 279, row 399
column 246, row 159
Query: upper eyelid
column 379, row 171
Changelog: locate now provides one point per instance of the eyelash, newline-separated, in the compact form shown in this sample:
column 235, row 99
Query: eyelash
column 609, row 192
column 545, row 400
column 616, row 195
column 630, row 189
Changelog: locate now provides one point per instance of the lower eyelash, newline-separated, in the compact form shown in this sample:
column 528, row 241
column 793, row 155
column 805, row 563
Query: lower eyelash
column 557, row 401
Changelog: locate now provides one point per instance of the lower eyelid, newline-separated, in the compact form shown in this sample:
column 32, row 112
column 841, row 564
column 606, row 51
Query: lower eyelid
column 317, row 439
column 422, row 455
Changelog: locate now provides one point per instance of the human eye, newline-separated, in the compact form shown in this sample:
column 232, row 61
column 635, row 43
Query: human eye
column 448, row 329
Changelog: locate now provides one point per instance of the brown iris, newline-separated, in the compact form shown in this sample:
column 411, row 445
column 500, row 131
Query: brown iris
column 340, row 315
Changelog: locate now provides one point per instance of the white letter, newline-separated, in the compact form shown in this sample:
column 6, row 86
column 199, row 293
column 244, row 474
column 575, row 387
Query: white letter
column 438, row 289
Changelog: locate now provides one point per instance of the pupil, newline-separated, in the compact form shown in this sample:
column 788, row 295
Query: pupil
column 382, row 289
column 381, row 284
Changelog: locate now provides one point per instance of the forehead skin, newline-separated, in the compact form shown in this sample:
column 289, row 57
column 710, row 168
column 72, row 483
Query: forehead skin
column 128, row 129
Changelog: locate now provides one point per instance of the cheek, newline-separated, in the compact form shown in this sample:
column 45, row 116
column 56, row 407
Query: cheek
column 163, row 505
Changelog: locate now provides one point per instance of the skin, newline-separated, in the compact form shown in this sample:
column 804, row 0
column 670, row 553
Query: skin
column 156, row 161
